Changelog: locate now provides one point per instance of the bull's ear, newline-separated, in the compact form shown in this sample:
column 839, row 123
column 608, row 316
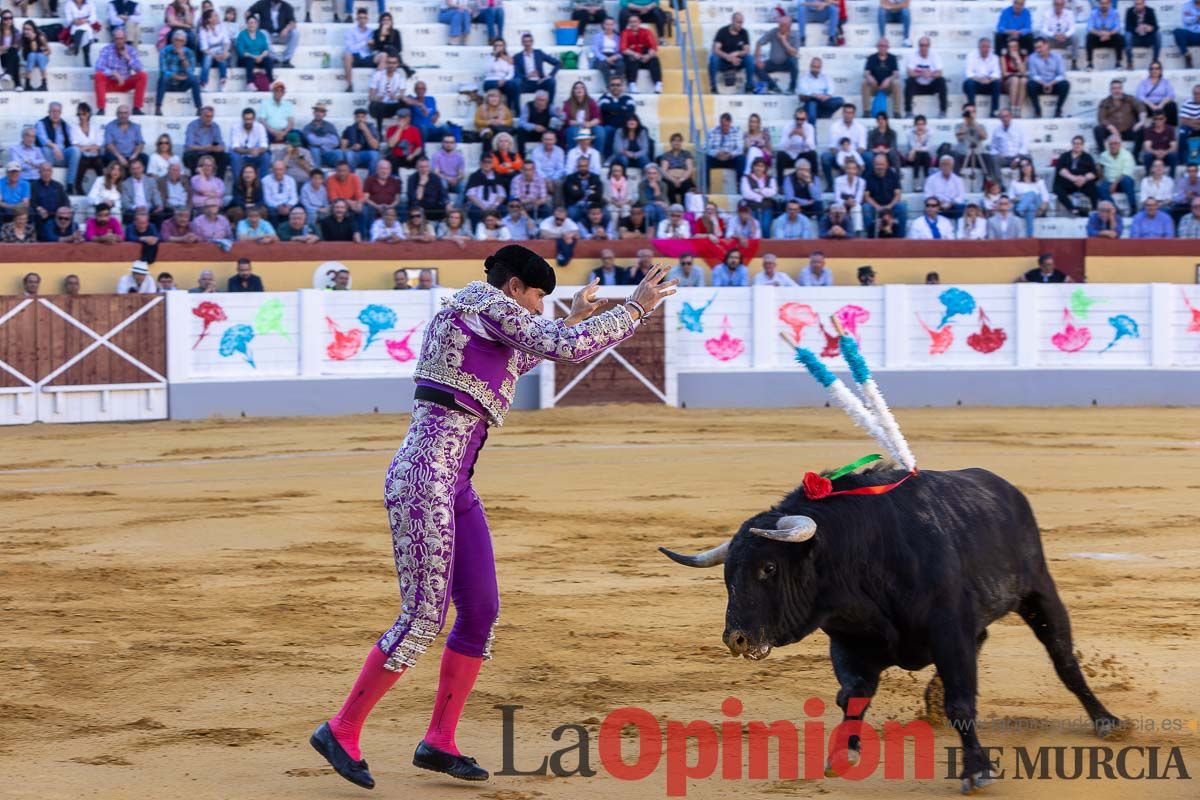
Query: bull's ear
column 709, row 558
column 789, row 529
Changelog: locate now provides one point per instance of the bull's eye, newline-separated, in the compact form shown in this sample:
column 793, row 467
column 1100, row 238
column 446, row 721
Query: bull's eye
column 767, row 570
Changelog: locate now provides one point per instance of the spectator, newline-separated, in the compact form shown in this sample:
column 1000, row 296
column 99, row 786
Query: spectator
column 640, row 270
column 216, row 49
column 491, row 14
column 1057, row 27
column 254, row 54
column 203, row 138
column 163, row 157
column 674, row 226
column 932, row 224
column 506, row 159
column 882, row 140
column 1104, row 31
column 71, row 286
column 455, row 228
column 1118, row 115
column 845, row 128
column 139, row 190
column 805, row 189
column 616, row 108
column 1032, row 197
column 895, row 11
column 549, row 160
column 1075, row 171
column 145, row 233
column 178, row 229
column 386, row 92
column 314, row 196
column 563, row 231
column 631, row 145
column 344, row 184
column 759, row 191
column 969, row 148
column 178, row 16
column 125, row 15
column 756, row 142
column 46, row 195
column 404, row 143
column 711, row 224
column 1014, row 67
column 1189, row 34
column 932, row 279
column 212, row 225
column 249, row 144
column 1141, row 30
column 530, row 66
column 247, row 193
column 1156, row 93
column 137, row 280
column 582, row 113
column 792, row 225
column 836, row 224
column 783, row 55
column 620, row 191
column 1104, row 222
column 825, row 12
column 256, row 229
column 388, row 227
column 485, row 190
column 983, row 74
column 644, row 10
column 490, row 229
column 492, row 117
column 1015, row 24
column 380, row 191
column 919, row 153
column 14, row 192
column 731, row 271
column 924, row 77
column 606, row 54
column 724, row 147
column 278, row 114
column 1116, row 172
column 118, row 69
column 1187, row 189
column 298, row 229
column 588, row 12
column 687, row 274
column 425, row 278
column 1160, row 143
column 849, row 188
column 770, row 275
column 743, row 226
column 454, row 13
column 1003, row 223
column 653, row 195
column 1047, row 75
column 277, row 20
column 1008, row 144
column 731, row 53
column 356, row 50
column 107, row 189
column 400, row 280
column 583, row 149
column 360, row 143
column 947, row 189
column 678, row 169
column 973, row 225
column 206, row 185
column 639, row 46
column 166, row 283
column 54, row 139
column 89, row 138
column 62, row 228
column 1046, row 272
column 1189, row 226
column 882, row 76
column 19, row 231
column 538, row 117
column 1157, row 184
column 322, row 139
column 501, row 75
column 800, row 143
column 123, row 140
column 883, row 193
column 426, row 191
column 176, row 72
column 27, row 154
column 815, row 273
column 816, row 93
column 581, row 189
column 280, row 193
column 521, row 226
column 244, row 280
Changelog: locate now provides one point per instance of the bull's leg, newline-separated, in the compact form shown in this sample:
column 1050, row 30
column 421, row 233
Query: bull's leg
column 954, row 653
column 935, row 693
column 1044, row 612
column 858, row 675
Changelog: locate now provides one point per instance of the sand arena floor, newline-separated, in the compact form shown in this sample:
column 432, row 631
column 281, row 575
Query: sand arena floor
column 184, row 602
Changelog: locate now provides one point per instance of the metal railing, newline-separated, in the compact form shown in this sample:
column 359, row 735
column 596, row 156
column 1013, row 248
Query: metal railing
column 693, row 82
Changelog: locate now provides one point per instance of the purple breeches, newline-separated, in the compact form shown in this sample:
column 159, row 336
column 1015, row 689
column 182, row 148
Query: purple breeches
column 440, row 536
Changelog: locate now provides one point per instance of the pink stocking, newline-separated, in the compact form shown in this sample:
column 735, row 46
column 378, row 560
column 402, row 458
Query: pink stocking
column 372, row 684
column 454, row 685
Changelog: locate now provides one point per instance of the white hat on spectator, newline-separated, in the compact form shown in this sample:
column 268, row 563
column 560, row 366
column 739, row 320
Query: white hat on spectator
column 140, row 268
column 12, row 166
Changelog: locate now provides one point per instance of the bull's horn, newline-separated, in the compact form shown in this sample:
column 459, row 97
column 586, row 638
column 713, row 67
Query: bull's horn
column 789, row 529
column 709, row 558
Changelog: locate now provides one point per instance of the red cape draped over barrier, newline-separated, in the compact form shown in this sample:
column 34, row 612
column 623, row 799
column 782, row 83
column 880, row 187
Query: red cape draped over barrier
column 712, row 252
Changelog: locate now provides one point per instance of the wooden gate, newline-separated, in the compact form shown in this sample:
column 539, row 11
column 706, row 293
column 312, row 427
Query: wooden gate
column 635, row 371
column 82, row 359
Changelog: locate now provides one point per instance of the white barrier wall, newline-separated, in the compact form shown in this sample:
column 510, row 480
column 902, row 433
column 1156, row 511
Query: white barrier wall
column 1025, row 326
column 321, row 335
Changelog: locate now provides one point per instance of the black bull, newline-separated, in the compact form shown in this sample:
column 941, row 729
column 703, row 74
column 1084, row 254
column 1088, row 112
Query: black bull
column 908, row 578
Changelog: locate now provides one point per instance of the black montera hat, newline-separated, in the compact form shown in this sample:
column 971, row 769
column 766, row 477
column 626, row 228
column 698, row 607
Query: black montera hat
column 513, row 260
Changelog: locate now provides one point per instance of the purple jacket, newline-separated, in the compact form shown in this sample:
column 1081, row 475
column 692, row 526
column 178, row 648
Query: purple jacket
column 481, row 342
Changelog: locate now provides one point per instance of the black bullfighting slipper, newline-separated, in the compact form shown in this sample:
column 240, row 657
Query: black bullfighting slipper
column 356, row 772
column 462, row 767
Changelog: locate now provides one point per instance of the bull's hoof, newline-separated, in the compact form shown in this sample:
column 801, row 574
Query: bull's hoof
column 852, row 758
column 975, row 782
column 1109, row 727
